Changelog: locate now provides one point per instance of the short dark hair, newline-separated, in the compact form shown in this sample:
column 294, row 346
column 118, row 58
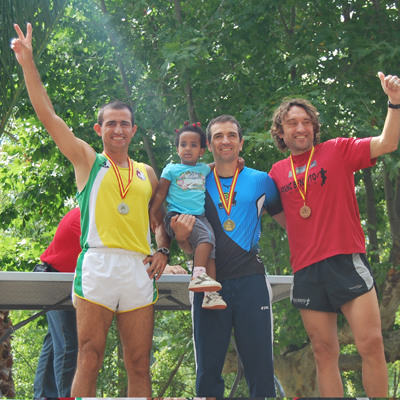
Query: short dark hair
column 115, row 105
column 188, row 127
column 221, row 119
column 280, row 115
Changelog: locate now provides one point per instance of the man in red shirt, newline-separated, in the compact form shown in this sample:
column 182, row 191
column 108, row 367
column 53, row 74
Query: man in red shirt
column 326, row 240
column 57, row 361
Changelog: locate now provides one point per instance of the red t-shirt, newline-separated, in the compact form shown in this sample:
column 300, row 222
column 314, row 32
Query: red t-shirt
column 64, row 250
column 334, row 224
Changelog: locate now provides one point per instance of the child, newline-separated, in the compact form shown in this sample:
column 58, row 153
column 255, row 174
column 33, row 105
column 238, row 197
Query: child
column 183, row 186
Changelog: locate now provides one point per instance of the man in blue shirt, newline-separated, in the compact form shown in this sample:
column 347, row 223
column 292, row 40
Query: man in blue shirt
column 234, row 206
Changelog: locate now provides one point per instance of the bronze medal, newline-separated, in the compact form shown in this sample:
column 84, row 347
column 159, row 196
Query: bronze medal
column 229, row 225
column 305, row 211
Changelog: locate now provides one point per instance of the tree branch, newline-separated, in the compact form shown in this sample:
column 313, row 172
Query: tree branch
column 172, row 375
column 288, row 31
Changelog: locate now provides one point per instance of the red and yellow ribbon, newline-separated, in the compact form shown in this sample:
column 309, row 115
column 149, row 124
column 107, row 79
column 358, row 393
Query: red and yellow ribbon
column 122, row 189
column 303, row 194
column 227, row 204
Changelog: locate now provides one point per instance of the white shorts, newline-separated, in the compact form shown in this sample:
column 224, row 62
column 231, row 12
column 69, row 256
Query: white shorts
column 116, row 279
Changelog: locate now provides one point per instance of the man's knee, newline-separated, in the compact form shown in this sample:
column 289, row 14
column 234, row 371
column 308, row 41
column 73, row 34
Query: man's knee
column 90, row 358
column 325, row 353
column 138, row 363
column 370, row 345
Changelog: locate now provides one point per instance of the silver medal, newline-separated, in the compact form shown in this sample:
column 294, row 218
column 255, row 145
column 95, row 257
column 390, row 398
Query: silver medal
column 123, row 208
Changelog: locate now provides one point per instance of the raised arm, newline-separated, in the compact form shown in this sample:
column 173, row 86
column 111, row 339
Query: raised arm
column 388, row 140
column 77, row 151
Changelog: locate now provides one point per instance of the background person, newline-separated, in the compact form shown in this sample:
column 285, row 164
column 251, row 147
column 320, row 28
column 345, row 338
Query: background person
column 57, row 361
column 326, row 240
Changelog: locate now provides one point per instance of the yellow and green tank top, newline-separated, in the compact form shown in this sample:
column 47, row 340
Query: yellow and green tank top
column 101, row 223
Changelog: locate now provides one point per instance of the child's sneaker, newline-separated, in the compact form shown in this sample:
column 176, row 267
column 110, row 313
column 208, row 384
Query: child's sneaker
column 204, row 283
column 213, row 301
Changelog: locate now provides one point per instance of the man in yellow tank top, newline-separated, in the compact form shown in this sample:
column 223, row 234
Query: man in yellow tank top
column 114, row 274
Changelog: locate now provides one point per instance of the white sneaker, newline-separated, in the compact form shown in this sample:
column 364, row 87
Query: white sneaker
column 213, row 301
column 204, row 283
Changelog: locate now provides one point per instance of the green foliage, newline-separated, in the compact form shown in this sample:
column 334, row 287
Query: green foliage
column 112, row 380
column 394, row 379
column 173, row 371
column 46, row 13
column 26, row 344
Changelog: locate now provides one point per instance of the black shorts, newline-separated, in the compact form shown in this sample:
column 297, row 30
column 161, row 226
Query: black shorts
column 330, row 283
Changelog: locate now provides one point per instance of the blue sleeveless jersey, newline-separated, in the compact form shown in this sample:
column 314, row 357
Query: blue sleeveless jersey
column 237, row 251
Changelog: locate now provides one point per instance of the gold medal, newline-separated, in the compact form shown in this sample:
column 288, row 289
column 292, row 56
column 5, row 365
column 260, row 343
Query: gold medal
column 305, row 211
column 229, row 225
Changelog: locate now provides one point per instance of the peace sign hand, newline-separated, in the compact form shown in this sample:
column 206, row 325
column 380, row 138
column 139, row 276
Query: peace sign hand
column 22, row 45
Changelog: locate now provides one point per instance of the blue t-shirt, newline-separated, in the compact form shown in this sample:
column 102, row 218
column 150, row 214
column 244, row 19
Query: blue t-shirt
column 186, row 194
column 237, row 251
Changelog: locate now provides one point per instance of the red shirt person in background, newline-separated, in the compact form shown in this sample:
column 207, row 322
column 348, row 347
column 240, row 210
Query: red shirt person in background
column 57, row 361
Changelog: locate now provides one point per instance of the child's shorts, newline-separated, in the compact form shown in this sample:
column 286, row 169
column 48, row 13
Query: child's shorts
column 202, row 231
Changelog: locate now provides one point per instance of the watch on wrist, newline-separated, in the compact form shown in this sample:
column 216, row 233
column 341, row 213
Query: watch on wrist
column 395, row 106
column 164, row 251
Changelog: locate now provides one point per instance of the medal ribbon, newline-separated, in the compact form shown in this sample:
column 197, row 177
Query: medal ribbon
column 122, row 189
column 227, row 205
column 303, row 194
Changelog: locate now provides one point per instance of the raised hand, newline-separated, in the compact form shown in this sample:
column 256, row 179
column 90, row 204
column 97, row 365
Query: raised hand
column 22, row 45
column 391, row 86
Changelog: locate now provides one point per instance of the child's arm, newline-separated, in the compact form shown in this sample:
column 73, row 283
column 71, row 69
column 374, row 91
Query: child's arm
column 240, row 164
column 159, row 198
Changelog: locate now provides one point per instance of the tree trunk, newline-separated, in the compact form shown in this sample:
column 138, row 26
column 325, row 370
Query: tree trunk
column 392, row 201
column 6, row 380
column 296, row 373
column 390, row 299
column 186, row 76
column 371, row 216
